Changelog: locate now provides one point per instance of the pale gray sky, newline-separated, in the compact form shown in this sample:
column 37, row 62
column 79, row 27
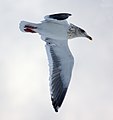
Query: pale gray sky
column 24, row 85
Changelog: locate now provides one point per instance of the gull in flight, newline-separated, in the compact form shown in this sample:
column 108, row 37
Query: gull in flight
column 55, row 31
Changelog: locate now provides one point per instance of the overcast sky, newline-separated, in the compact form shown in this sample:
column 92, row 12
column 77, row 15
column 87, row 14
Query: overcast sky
column 24, row 85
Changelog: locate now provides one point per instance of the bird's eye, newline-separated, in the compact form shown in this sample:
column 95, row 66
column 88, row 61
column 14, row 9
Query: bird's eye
column 82, row 31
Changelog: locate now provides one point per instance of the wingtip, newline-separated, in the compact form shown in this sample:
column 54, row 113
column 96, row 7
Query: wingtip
column 56, row 110
column 58, row 102
column 58, row 16
column 54, row 105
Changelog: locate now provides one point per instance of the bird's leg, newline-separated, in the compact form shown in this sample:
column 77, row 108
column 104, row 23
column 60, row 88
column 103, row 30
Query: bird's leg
column 29, row 28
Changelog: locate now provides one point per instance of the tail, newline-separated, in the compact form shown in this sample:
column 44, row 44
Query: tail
column 28, row 27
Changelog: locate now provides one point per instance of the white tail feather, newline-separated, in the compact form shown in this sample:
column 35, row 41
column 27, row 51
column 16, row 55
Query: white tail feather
column 23, row 25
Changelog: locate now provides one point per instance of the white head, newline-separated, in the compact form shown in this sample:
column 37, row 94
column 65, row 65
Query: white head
column 75, row 31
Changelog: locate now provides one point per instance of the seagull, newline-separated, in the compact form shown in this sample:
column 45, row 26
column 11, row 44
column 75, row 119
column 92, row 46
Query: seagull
column 55, row 31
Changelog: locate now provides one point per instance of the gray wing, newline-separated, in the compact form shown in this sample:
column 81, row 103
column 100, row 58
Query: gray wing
column 61, row 63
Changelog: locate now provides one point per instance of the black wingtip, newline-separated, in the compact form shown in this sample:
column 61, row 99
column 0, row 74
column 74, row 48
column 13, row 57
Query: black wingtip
column 58, row 102
column 60, row 16
column 54, row 105
column 56, row 110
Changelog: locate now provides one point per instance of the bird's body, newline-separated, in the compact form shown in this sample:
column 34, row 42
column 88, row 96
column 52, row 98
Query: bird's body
column 56, row 31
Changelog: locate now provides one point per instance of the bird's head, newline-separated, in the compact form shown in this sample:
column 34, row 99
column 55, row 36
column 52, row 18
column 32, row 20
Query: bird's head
column 82, row 33
column 78, row 32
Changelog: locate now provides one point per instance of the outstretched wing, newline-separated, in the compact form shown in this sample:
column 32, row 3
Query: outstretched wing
column 61, row 63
